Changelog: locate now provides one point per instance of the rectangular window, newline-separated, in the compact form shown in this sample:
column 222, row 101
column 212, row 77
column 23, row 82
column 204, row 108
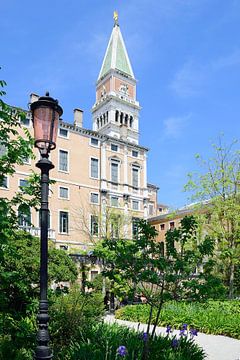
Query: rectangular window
column 162, row 248
column 94, row 168
column 114, row 201
column 150, row 209
column 26, row 160
column 135, row 177
column 94, row 198
column 114, row 147
column 23, row 182
column 115, row 227
column 94, row 225
column 24, row 215
column 63, row 192
column 171, row 225
column 94, row 273
column 135, row 153
column 94, row 142
column 25, row 121
column 162, row 227
column 114, row 171
column 63, row 222
column 135, row 228
column 63, row 160
column 4, row 182
column 3, row 150
column 135, row 205
column 63, row 133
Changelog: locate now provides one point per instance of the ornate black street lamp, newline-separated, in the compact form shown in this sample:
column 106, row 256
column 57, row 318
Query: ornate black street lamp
column 45, row 115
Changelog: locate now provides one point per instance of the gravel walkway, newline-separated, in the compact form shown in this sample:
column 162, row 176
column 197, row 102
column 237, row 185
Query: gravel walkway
column 217, row 347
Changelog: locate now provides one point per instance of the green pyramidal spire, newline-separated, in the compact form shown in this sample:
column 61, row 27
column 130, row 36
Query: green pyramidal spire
column 116, row 56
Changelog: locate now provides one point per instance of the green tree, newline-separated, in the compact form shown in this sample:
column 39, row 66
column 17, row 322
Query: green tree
column 19, row 285
column 19, row 251
column 216, row 190
column 181, row 271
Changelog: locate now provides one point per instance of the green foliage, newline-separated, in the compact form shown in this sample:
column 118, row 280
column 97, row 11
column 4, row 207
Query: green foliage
column 216, row 189
column 183, row 271
column 212, row 317
column 19, row 272
column 17, row 338
column 103, row 341
column 159, row 276
column 15, row 148
column 72, row 315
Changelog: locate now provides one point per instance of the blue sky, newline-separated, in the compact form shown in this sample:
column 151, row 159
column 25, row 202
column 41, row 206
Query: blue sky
column 184, row 53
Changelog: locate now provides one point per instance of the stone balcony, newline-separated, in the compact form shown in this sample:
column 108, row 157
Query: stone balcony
column 35, row 231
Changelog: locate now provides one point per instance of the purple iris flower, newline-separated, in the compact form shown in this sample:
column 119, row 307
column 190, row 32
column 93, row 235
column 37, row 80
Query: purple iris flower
column 145, row 336
column 193, row 332
column 122, row 350
column 183, row 329
column 175, row 343
column 168, row 329
column 182, row 332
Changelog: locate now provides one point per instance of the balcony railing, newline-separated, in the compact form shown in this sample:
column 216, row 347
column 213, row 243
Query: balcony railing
column 35, row 231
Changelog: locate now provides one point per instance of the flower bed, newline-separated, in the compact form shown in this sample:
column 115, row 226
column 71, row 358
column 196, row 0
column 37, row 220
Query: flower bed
column 110, row 342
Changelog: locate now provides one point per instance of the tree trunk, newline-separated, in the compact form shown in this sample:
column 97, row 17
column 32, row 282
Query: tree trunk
column 231, row 281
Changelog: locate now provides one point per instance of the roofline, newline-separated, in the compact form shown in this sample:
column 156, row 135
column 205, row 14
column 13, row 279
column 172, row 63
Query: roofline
column 96, row 134
column 83, row 131
column 152, row 186
column 178, row 214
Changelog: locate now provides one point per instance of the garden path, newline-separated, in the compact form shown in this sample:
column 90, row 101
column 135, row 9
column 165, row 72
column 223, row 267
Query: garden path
column 217, row 347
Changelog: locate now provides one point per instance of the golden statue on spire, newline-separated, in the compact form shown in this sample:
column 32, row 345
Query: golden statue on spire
column 115, row 16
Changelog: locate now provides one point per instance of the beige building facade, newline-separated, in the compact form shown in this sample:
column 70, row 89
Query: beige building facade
column 100, row 175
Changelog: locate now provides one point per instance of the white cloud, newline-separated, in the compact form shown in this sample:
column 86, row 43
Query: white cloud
column 175, row 126
column 189, row 80
column 227, row 61
column 192, row 78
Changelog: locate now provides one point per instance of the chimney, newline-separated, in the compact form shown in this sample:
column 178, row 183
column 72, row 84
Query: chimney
column 33, row 97
column 78, row 117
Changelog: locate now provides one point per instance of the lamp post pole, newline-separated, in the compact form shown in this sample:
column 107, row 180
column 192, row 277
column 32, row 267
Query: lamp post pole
column 45, row 112
column 43, row 351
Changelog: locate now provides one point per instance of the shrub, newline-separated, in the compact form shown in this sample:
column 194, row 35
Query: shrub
column 72, row 315
column 212, row 317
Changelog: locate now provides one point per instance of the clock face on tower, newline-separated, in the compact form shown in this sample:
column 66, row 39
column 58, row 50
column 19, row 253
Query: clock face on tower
column 123, row 89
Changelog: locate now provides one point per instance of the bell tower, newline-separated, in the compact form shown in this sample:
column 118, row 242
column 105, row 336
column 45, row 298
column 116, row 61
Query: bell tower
column 116, row 110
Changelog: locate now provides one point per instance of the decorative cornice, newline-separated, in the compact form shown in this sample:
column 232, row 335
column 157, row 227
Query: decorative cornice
column 99, row 136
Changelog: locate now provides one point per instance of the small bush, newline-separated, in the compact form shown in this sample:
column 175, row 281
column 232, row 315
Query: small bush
column 212, row 317
column 72, row 315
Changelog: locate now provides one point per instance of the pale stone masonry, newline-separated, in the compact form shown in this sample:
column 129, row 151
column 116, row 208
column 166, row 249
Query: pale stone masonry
column 101, row 174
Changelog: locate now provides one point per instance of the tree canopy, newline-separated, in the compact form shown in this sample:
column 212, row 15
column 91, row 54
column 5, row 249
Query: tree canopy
column 216, row 189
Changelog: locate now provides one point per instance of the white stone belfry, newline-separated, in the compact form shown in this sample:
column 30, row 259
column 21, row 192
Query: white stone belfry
column 116, row 110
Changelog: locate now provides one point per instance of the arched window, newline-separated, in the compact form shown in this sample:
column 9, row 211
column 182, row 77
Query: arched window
column 121, row 118
column 116, row 115
column 24, row 215
column 131, row 121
